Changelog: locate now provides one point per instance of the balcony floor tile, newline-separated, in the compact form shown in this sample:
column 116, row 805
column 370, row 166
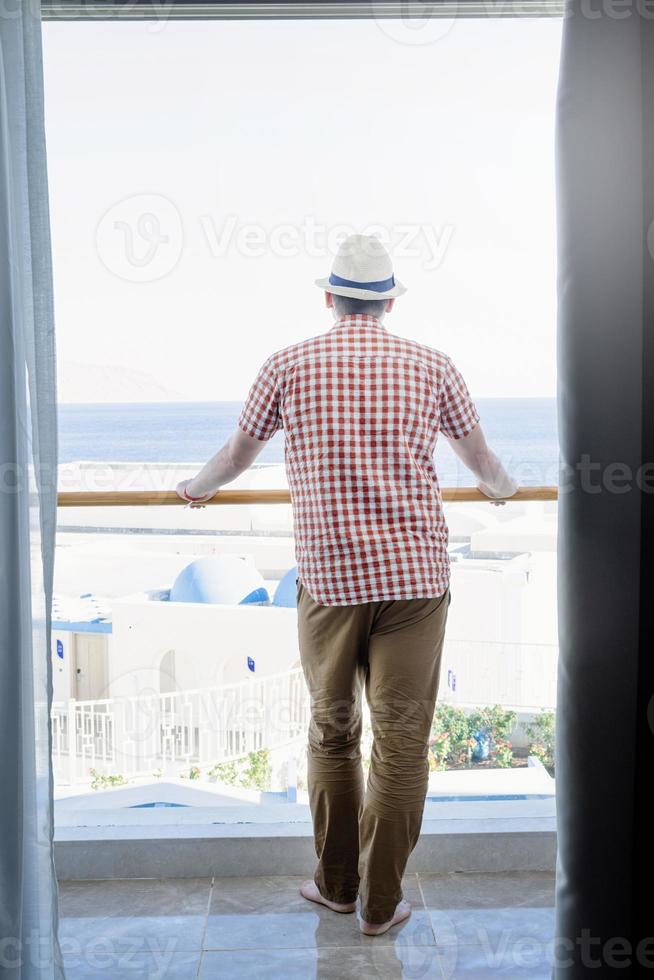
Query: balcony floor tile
column 122, row 935
column 480, row 963
column 376, row 962
column 469, row 927
column 279, row 893
column 155, row 916
column 135, row 896
column 308, row 930
column 101, row 965
column 270, row 913
column 496, row 929
column 489, row 889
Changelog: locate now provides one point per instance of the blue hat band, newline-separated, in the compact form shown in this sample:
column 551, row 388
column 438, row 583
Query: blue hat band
column 381, row 286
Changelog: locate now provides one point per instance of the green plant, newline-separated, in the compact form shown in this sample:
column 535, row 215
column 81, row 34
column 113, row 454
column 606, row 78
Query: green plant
column 453, row 732
column 496, row 719
column 503, row 753
column 194, row 773
column 440, row 749
column 259, row 769
column 225, row 772
column 103, row 780
column 253, row 771
column 541, row 735
column 450, row 727
column 540, row 752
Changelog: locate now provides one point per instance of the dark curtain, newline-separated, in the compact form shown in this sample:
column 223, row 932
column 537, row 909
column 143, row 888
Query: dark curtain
column 604, row 758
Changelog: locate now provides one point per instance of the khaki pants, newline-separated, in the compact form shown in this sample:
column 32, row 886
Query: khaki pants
column 392, row 648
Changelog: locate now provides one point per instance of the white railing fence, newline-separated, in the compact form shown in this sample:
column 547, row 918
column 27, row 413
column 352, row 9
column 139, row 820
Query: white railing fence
column 140, row 734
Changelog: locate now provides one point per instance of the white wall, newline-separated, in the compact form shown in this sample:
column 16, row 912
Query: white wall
column 501, row 641
column 61, row 669
column 211, row 643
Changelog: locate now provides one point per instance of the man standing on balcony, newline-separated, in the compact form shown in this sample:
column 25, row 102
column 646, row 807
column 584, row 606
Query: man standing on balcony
column 361, row 410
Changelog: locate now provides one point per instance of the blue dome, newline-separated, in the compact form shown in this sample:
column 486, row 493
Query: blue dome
column 223, row 579
column 286, row 591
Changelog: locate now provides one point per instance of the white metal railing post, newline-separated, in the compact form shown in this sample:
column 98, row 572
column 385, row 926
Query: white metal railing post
column 119, row 741
column 71, row 716
column 225, row 722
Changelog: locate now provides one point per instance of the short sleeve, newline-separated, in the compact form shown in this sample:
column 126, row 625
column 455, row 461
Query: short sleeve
column 260, row 415
column 458, row 414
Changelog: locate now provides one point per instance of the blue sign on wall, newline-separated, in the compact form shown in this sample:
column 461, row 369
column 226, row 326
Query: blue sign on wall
column 251, row 664
column 60, row 649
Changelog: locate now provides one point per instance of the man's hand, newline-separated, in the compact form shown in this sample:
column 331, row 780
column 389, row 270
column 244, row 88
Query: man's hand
column 184, row 485
column 510, row 489
column 236, row 455
column 492, row 478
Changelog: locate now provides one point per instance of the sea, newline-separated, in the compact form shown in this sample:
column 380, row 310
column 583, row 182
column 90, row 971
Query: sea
column 522, row 431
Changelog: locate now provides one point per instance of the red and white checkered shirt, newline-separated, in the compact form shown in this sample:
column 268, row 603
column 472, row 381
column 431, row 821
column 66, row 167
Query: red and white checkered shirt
column 361, row 410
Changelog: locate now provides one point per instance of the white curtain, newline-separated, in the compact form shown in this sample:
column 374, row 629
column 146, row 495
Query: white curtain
column 28, row 474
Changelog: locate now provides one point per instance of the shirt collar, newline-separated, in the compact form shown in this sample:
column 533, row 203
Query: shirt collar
column 359, row 320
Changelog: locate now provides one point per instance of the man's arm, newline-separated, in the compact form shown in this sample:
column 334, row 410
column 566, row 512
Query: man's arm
column 238, row 453
column 259, row 420
column 474, row 452
column 459, row 423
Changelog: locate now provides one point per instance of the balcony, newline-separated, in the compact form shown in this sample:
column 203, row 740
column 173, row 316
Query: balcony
column 171, row 864
column 165, row 868
column 149, row 725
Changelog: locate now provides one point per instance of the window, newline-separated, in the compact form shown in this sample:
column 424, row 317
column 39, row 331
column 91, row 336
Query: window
column 201, row 176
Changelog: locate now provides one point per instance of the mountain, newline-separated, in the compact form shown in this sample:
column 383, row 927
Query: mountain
column 77, row 382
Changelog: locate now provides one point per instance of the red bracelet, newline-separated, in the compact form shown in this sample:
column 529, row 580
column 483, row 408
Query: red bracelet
column 188, row 497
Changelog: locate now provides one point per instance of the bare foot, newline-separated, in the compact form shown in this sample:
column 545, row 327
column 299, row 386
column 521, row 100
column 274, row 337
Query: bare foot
column 309, row 890
column 402, row 912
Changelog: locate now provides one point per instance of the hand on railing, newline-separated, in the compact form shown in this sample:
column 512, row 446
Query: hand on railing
column 182, row 491
column 499, row 494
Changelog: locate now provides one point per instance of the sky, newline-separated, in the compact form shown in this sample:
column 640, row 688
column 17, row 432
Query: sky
column 202, row 174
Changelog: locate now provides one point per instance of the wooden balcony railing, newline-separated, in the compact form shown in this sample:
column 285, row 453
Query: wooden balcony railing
column 164, row 498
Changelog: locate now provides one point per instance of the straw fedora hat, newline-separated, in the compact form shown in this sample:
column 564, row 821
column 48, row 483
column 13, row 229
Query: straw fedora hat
column 362, row 269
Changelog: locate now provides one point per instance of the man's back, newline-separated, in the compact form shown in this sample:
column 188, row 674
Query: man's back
column 361, row 410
